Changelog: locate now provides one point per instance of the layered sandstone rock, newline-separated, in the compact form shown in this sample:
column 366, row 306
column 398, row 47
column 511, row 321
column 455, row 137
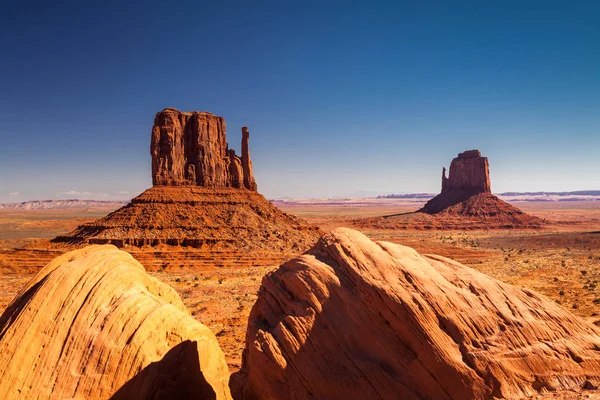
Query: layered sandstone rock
column 190, row 148
column 206, row 219
column 93, row 325
column 355, row 319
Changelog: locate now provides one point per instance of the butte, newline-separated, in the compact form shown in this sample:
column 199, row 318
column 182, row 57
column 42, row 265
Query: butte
column 465, row 202
column 203, row 203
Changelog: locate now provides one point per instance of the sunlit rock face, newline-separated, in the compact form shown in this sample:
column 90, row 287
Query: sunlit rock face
column 190, row 148
column 93, row 325
column 357, row 319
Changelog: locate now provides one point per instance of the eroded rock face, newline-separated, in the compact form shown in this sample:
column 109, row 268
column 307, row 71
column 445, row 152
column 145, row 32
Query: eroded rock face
column 93, row 325
column 469, row 172
column 190, row 148
column 355, row 319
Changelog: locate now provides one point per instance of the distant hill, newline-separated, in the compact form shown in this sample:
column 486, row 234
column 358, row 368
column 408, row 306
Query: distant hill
column 579, row 195
column 62, row 204
column 575, row 193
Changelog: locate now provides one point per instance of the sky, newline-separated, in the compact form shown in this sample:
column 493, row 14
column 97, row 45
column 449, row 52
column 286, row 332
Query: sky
column 339, row 96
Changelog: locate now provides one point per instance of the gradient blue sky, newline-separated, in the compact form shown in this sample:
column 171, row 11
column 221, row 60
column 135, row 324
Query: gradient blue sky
column 339, row 96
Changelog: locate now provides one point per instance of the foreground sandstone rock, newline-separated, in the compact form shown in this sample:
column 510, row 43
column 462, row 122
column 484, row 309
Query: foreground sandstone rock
column 355, row 319
column 92, row 324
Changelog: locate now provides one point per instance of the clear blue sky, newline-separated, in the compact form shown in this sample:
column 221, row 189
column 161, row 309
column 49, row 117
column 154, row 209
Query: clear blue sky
column 339, row 96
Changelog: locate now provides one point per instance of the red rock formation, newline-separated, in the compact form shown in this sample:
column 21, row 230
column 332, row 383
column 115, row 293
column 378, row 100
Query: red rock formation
column 195, row 202
column 469, row 172
column 467, row 193
column 190, row 148
column 355, row 319
column 249, row 181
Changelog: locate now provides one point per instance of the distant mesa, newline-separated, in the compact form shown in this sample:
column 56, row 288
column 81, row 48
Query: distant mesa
column 357, row 319
column 92, row 324
column 204, row 196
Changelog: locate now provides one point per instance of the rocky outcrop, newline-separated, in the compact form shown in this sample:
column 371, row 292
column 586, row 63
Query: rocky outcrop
column 469, row 176
column 469, row 172
column 190, row 148
column 249, row 182
column 355, row 319
column 195, row 201
column 93, row 325
column 466, row 193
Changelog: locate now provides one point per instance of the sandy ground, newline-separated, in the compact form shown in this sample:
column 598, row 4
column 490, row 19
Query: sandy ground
column 561, row 261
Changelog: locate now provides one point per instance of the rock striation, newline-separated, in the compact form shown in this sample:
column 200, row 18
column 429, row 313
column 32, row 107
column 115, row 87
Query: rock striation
column 201, row 218
column 190, row 148
column 358, row 319
column 93, row 325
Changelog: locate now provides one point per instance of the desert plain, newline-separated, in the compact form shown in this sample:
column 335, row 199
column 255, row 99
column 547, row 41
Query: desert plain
column 560, row 260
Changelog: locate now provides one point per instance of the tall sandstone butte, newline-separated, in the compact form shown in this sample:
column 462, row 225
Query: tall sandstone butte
column 204, row 197
column 466, row 193
column 190, row 148
column 469, row 172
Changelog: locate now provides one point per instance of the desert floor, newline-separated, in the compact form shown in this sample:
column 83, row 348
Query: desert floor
column 561, row 261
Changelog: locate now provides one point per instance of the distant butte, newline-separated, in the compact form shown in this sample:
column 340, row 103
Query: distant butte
column 469, row 176
column 467, row 192
column 465, row 202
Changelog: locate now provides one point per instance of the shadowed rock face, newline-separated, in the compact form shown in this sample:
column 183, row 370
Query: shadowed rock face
column 93, row 325
column 469, row 172
column 190, row 148
column 356, row 319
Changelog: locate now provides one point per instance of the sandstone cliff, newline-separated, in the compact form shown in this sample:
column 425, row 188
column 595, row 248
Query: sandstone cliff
column 355, row 319
column 469, row 172
column 190, row 148
column 93, row 325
